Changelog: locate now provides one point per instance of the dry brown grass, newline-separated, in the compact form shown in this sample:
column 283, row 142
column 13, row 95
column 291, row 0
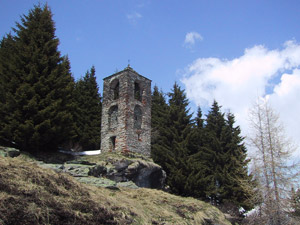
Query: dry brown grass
column 157, row 207
column 33, row 195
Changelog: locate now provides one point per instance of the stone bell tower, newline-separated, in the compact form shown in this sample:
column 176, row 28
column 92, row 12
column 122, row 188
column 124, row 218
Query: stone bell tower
column 126, row 112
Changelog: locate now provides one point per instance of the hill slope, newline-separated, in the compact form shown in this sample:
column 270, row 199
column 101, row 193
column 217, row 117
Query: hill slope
column 30, row 194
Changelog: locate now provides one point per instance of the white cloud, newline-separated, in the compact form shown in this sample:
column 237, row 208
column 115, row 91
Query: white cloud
column 191, row 38
column 285, row 100
column 236, row 83
column 134, row 17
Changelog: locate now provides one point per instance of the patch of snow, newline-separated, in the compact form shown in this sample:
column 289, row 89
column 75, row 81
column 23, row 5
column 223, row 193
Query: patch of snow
column 92, row 152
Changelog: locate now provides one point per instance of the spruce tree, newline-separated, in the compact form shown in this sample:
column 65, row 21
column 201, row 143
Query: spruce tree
column 88, row 112
column 8, row 84
column 197, row 164
column 238, row 185
column 39, row 96
column 228, row 181
column 179, row 124
column 215, row 124
column 160, row 148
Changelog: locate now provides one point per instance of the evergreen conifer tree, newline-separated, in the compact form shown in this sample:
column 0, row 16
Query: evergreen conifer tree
column 39, row 95
column 160, row 148
column 179, row 124
column 197, row 164
column 8, row 84
column 215, row 124
column 238, row 185
column 228, row 181
column 88, row 113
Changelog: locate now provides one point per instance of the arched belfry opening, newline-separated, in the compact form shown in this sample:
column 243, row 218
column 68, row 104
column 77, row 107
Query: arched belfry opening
column 115, row 89
column 126, row 112
column 137, row 91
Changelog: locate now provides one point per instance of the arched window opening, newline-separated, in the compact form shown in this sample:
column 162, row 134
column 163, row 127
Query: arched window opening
column 137, row 91
column 115, row 86
column 137, row 117
column 113, row 117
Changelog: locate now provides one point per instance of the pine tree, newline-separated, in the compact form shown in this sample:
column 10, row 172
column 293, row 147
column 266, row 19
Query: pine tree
column 196, row 136
column 8, row 84
column 225, row 159
column 88, row 113
column 39, row 96
column 197, row 165
column 215, row 123
column 238, row 186
column 179, row 124
column 160, row 148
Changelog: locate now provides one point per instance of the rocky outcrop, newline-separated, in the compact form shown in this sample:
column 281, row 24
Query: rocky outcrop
column 142, row 173
column 131, row 170
column 9, row 152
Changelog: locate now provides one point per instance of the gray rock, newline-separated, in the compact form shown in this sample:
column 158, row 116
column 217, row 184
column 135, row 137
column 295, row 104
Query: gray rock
column 3, row 153
column 98, row 171
column 9, row 152
column 148, row 175
column 56, row 167
column 128, row 184
column 140, row 172
column 77, row 170
column 115, row 170
column 122, row 164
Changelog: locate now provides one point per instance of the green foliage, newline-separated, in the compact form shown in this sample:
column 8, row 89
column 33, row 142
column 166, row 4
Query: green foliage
column 179, row 124
column 203, row 158
column 38, row 85
column 160, row 145
column 198, row 160
column 171, row 125
column 88, row 111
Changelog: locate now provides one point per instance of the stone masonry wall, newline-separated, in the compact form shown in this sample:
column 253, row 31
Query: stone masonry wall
column 130, row 108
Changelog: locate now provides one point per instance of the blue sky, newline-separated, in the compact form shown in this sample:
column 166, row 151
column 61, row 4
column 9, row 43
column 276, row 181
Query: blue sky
column 151, row 33
column 231, row 51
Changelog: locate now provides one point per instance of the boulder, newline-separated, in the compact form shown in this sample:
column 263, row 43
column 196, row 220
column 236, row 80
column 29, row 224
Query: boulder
column 9, row 152
column 141, row 173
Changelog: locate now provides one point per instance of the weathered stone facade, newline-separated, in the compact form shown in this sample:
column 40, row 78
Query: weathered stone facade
column 126, row 112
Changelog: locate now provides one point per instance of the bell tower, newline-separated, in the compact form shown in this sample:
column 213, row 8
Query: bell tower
column 126, row 112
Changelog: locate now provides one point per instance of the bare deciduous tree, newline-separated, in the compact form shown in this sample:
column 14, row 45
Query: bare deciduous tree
column 272, row 164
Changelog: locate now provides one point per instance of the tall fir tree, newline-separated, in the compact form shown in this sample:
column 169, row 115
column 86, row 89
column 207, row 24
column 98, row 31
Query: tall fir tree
column 88, row 113
column 238, row 185
column 179, row 123
column 215, row 124
column 197, row 164
column 229, row 182
column 39, row 93
column 160, row 148
column 8, row 84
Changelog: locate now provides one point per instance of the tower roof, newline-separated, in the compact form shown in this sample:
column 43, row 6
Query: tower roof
column 127, row 69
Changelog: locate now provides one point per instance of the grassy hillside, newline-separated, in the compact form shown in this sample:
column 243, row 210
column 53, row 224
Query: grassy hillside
column 30, row 194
